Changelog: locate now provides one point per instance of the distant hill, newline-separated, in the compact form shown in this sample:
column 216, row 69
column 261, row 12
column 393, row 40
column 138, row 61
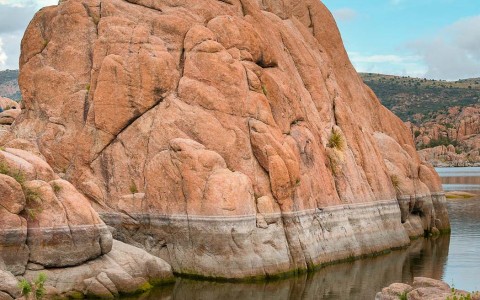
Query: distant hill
column 9, row 84
column 444, row 116
column 421, row 100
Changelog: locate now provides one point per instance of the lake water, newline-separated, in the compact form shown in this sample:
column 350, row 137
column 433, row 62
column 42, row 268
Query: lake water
column 454, row 259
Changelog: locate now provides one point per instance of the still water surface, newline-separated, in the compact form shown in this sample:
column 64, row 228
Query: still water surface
column 455, row 259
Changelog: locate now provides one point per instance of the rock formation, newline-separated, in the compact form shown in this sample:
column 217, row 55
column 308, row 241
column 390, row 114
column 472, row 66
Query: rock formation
column 452, row 139
column 424, row 289
column 47, row 226
column 232, row 138
column 10, row 110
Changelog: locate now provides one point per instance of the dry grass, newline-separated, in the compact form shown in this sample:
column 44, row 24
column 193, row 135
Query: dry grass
column 396, row 182
column 336, row 140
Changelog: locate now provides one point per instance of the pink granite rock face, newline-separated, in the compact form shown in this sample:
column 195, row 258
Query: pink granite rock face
column 232, row 138
column 44, row 219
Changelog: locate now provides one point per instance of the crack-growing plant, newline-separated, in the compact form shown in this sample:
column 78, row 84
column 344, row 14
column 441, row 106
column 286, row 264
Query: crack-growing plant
column 264, row 90
column 396, row 182
column 335, row 147
column 133, row 188
column 18, row 175
column 33, row 290
column 56, row 188
column 32, row 195
column 4, row 169
column 336, row 140
column 33, row 198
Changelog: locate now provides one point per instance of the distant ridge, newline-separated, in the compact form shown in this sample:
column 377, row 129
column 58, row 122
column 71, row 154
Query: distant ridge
column 420, row 100
column 9, row 84
column 443, row 116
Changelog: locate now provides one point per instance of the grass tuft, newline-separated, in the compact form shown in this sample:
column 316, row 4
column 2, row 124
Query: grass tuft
column 19, row 176
column 133, row 188
column 264, row 90
column 32, row 195
column 56, row 188
column 336, row 140
column 395, row 182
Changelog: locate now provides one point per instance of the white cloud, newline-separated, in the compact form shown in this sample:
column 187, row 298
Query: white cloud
column 344, row 14
column 454, row 52
column 408, row 65
column 15, row 16
column 3, row 55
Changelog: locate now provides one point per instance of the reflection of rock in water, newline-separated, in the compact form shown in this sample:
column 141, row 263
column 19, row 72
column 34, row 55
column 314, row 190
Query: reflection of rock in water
column 357, row 280
column 461, row 180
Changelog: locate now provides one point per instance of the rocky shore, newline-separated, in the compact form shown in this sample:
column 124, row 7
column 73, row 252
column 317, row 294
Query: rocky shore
column 220, row 139
column 48, row 227
column 424, row 289
column 451, row 139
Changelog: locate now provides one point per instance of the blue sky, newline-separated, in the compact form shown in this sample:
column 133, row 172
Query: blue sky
column 424, row 38
column 434, row 38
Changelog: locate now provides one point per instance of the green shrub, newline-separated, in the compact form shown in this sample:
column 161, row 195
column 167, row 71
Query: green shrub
column 31, row 213
column 25, row 287
column 19, row 176
column 417, row 133
column 35, row 290
column 4, row 169
column 32, row 195
column 449, row 125
column 403, row 296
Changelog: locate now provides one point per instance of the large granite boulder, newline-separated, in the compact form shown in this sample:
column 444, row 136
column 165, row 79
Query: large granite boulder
column 44, row 219
column 8, row 286
column 231, row 138
column 47, row 226
column 124, row 270
column 7, row 104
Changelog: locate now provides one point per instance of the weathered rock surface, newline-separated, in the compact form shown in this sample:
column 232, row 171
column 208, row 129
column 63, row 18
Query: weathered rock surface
column 10, row 111
column 45, row 220
column 232, row 138
column 8, row 286
column 7, row 104
column 124, row 270
column 423, row 289
column 47, row 226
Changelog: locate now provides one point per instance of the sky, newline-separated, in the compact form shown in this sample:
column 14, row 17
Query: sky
column 438, row 39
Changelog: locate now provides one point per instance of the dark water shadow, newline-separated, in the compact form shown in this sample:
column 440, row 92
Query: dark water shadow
column 360, row 279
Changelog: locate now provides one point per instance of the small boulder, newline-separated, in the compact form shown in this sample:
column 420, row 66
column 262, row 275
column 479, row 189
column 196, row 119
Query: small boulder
column 12, row 198
column 8, row 285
